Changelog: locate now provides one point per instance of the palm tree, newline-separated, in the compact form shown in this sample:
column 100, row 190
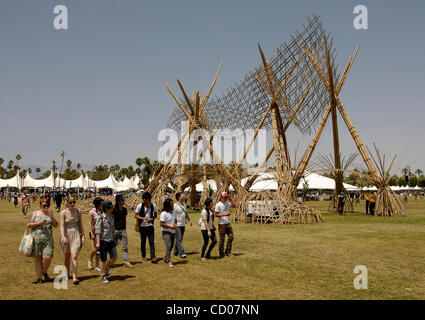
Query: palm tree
column 10, row 164
column 38, row 172
column 419, row 173
column 1, row 167
column 18, row 157
column 63, row 159
column 79, row 166
column 406, row 170
column 139, row 162
column 68, row 164
column 29, row 170
column 54, row 168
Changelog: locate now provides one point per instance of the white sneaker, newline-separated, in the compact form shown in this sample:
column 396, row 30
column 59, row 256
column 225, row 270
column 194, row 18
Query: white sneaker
column 90, row 266
column 97, row 269
column 105, row 279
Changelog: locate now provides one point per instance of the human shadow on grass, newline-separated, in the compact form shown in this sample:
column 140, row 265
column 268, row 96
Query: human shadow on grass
column 239, row 254
column 121, row 278
column 115, row 265
column 180, row 262
column 84, row 278
column 192, row 253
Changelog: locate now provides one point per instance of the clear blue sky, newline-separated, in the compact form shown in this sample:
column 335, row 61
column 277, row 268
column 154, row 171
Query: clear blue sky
column 96, row 89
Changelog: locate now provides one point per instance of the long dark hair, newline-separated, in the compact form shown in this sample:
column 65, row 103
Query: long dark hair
column 207, row 203
column 167, row 205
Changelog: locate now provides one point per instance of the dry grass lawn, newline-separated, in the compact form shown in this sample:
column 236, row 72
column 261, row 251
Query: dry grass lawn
column 272, row 262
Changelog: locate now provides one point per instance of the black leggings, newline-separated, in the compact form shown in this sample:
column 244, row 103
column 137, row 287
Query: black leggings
column 206, row 239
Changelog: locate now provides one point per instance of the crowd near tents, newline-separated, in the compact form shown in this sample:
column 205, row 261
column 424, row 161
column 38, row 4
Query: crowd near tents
column 266, row 181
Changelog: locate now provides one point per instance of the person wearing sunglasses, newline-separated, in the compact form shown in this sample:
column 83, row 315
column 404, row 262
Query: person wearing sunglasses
column 72, row 236
column 41, row 223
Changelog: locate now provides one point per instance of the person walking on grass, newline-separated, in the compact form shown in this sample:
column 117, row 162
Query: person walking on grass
column 58, row 200
column 25, row 201
column 72, row 236
column 372, row 203
column 15, row 199
column 105, row 232
column 168, row 223
column 367, row 195
column 41, row 223
column 341, row 202
column 93, row 214
column 180, row 210
column 146, row 213
column 120, row 220
column 208, row 229
column 224, row 228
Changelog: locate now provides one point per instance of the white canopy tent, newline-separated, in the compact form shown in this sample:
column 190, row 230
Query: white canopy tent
column 11, row 183
column 200, row 186
column 30, row 182
column 267, row 182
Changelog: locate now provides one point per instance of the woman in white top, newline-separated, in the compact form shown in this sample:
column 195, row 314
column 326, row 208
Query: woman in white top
column 208, row 229
column 93, row 214
column 168, row 223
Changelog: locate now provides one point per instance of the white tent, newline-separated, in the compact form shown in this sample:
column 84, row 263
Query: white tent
column 316, row 181
column 81, row 182
column 200, row 186
column 108, row 183
column 267, row 182
column 30, row 182
column 11, row 183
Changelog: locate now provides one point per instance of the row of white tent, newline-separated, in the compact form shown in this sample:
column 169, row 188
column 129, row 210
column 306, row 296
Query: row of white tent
column 265, row 181
column 81, row 182
column 395, row 188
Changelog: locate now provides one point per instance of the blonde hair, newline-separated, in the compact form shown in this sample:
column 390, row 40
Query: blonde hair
column 69, row 199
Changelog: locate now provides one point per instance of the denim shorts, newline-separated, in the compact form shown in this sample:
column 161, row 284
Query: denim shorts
column 107, row 247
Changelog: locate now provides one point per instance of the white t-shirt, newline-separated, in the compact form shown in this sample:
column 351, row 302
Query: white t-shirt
column 223, row 207
column 148, row 214
column 204, row 216
column 179, row 210
column 169, row 219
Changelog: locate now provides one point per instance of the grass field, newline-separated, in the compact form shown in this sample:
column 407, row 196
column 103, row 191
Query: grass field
column 272, row 262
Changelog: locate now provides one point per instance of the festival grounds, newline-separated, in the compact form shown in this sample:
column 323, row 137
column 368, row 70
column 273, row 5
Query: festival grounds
column 272, row 262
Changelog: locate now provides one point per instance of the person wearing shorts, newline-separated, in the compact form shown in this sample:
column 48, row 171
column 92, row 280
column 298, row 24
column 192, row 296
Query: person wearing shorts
column 105, row 231
column 25, row 201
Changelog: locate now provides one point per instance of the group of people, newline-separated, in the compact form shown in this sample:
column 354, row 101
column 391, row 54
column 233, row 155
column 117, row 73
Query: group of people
column 107, row 225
